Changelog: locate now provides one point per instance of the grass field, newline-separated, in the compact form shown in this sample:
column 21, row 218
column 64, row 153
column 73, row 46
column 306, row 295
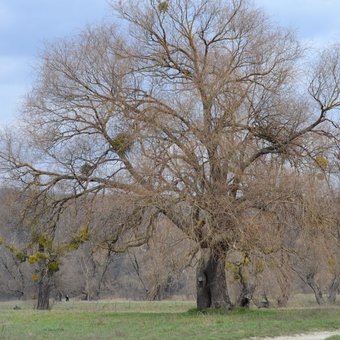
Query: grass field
column 155, row 320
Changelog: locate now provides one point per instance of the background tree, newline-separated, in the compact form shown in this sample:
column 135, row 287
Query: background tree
column 16, row 276
column 46, row 249
column 163, row 263
column 316, row 247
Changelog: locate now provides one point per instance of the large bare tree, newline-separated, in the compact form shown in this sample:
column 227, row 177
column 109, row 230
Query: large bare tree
column 179, row 110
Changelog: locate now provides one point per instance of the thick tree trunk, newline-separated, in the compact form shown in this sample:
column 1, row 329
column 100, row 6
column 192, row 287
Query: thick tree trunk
column 211, row 282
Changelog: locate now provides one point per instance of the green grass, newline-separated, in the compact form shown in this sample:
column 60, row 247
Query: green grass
column 156, row 320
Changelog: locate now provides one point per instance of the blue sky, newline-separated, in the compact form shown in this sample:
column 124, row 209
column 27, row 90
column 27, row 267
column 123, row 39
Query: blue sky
column 315, row 21
column 26, row 24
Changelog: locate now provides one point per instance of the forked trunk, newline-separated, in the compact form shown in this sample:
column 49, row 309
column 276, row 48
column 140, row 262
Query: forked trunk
column 246, row 288
column 211, row 282
column 245, row 296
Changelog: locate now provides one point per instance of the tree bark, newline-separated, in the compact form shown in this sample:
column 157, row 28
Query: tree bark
column 246, row 294
column 211, row 282
column 246, row 288
column 44, row 284
column 316, row 289
column 332, row 290
column 44, row 293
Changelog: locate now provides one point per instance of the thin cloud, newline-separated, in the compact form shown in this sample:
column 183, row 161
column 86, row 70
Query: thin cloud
column 26, row 25
column 312, row 18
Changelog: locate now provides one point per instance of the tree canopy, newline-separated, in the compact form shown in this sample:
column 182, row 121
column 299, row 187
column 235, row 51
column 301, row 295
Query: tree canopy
column 200, row 111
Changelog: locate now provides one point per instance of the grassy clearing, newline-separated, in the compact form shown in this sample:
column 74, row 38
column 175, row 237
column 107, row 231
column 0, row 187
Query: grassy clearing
column 156, row 320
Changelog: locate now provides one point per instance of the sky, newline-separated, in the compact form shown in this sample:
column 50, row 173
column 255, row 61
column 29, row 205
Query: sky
column 26, row 25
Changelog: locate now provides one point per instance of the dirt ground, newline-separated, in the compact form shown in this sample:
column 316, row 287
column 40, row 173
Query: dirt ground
column 309, row 336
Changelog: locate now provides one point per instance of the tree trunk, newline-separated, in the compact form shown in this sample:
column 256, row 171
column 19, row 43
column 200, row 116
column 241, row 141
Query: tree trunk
column 316, row 289
column 246, row 295
column 44, row 294
column 44, row 285
column 58, row 296
column 86, row 296
column 246, row 288
column 332, row 290
column 211, row 282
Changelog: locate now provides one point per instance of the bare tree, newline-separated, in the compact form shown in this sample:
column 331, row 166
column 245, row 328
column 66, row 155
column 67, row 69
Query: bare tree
column 161, row 263
column 180, row 113
column 16, row 276
column 316, row 247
